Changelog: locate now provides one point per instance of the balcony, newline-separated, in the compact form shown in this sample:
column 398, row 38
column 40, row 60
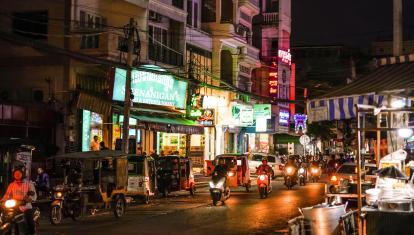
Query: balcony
column 271, row 18
column 107, row 45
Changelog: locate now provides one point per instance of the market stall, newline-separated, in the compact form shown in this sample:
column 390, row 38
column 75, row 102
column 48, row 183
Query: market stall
column 389, row 208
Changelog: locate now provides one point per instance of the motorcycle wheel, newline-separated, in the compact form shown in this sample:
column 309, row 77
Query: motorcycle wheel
column 76, row 212
column 165, row 192
column 119, row 208
column 192, row 190
column 215, row 198
column 289, row 184
column 263, row 192
column 55, row 215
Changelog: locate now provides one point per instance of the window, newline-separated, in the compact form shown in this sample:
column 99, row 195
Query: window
column 226, row 11
column 209, row 11
column 93, row 23
column 201, row 63
column 33, row 24
column 272, row 5
column 195, row 15
column 190, row 13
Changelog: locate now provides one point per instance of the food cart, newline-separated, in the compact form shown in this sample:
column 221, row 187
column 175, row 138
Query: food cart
column 390, row 204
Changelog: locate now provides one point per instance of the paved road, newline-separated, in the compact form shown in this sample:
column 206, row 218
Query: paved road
column 244, row 213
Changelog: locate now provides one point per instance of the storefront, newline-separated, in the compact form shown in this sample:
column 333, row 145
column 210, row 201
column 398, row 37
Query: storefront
column 158, row 122
column 260, row 133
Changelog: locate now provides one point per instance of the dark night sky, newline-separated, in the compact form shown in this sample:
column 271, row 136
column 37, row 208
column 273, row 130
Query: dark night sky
column 347, row 22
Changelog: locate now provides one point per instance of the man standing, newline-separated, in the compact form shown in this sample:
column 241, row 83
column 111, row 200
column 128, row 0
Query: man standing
column 95, row 143
column 42, row 181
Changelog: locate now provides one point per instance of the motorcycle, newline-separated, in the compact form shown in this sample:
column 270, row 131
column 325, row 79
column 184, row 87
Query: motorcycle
column 290, row 178
column 264, row 185
column 218, row 191
column 302, row 176
column 315, row 173
column 13, row 220
column 65, row 203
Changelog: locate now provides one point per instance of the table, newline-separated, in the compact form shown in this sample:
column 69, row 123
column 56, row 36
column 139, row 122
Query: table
column 388, row 223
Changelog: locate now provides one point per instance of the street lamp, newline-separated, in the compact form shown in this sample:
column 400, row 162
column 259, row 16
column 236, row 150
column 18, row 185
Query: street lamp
column 405, row 132
column 398, row 103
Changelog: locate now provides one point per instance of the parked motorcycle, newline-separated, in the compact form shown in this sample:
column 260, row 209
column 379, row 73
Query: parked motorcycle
column 290, row 177
column 302, row 176
column 218, row 189
column 13, row 220
column 65, row 203
column 264, row 185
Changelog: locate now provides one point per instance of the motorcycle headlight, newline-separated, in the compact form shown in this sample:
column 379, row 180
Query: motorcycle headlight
column 262, row 177
column 59, row 194
column 218, row 185
column 230, row 174
column 10, row 203
column 301, row 170
column 314, row 170
column 289, row 170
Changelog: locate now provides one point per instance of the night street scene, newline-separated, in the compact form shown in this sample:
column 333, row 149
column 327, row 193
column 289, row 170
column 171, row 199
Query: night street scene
column 207, row 117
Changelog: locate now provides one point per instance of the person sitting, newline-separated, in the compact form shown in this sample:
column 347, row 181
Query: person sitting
column 264, row 168
column 22, row 190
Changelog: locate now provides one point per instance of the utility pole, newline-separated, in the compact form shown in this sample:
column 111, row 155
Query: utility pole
column 128, row 102
column 397, row 29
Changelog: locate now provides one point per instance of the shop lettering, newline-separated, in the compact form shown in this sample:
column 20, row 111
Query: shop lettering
column 285, row 56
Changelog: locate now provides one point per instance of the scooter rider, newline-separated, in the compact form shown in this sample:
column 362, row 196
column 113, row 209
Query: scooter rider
column 264, row 168
column 291, row 163
column 19, row 190
column 221, row 170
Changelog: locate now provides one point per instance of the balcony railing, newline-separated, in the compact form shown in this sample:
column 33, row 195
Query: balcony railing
column 252, row 2
column 271, row 18
column 161, row 54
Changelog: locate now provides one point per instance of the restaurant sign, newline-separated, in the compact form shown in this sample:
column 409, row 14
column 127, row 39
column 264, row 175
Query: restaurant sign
column 204, row 117
column 242, row 115
column 151, row 88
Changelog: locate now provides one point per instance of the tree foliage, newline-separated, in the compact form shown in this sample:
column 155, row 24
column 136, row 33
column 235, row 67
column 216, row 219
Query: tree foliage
column 320, row 130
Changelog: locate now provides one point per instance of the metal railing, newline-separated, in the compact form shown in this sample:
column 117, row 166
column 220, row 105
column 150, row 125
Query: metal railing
column 271, row 18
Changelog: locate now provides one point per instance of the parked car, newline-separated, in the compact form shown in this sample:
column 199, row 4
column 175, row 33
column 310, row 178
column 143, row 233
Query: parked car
column 342, row 183
column 274, row 161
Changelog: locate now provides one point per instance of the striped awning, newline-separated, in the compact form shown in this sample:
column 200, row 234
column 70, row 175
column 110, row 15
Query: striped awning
column 340, row 108
column 393, row 76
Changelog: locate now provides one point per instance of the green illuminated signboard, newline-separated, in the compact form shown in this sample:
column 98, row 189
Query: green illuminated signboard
column 86, row 130
column 262, row 111
column 151, row 88
column 242, row 115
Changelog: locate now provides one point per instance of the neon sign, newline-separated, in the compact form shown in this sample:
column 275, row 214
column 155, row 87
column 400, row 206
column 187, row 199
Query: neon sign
column 284, row 117
column 300, row 122
column 273, row 83
column 285, row 56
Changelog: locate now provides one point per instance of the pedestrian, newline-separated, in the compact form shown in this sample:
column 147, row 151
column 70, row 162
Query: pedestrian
column 95, row 143
column 42, row 181
column 102, row 146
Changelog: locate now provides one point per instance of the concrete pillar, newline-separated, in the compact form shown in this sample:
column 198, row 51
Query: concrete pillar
column 235, row 64
column 398, row 34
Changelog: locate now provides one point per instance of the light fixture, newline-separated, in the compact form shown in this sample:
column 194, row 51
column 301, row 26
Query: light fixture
column 405, row 132
column 398, row 103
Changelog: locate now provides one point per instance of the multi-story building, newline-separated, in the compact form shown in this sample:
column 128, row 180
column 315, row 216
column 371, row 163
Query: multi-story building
column 271, row 34
column 58, row 64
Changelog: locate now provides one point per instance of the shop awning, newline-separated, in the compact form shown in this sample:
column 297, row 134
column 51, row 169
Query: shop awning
column 286, row 138
column 169, row 124
column 395, row 74
column 94, row 104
